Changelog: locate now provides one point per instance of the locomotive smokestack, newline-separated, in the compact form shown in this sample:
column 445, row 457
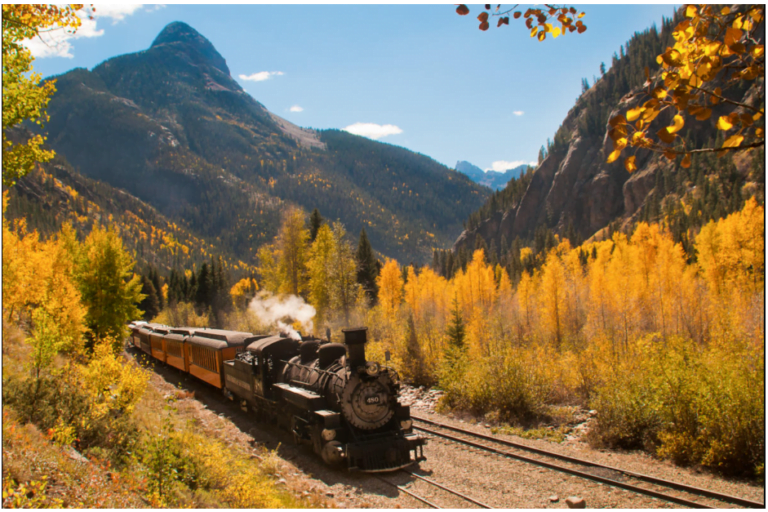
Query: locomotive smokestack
column 355, row 339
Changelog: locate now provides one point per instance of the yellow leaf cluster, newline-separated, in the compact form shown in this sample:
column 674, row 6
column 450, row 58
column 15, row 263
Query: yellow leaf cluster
column 708, row 45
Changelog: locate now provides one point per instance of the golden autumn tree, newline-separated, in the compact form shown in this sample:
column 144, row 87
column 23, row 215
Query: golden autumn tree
column 38, row 276
column 292, row 244
column 715, row 49
column 344, row 288
column 109, row 288
column 390, row 283
column 242, row 291
column 24, row 99
column 319, row 273
column 553, row 296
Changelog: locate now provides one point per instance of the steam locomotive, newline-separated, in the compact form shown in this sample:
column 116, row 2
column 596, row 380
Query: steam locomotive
column 327, row 394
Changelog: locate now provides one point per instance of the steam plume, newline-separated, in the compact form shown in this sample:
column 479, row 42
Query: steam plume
column 282, row 310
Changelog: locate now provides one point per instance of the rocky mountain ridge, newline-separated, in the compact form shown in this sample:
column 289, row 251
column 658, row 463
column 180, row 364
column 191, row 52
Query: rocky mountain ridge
column 574, row 191
column 170, row 126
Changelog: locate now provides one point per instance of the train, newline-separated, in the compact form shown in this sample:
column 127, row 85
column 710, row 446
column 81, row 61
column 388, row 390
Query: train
column 328, row 395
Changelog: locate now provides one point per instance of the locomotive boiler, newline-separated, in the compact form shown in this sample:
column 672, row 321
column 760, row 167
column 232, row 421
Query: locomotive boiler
column 329, row 397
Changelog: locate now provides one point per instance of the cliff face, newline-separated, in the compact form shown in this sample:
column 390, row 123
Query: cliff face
column 574, row 190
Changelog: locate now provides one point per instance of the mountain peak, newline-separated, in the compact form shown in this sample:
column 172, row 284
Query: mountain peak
column 182, row 37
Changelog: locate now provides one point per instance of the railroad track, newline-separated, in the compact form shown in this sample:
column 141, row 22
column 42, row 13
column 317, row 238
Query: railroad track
column 443, row 487
column 592, row 468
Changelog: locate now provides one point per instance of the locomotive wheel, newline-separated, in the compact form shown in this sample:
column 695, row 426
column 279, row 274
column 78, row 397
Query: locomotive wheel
column 332, row 453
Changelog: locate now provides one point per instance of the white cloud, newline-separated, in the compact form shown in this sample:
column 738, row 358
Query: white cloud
column 296, row 108
column 518, row 112
column 58, row 42
column 372, row 130
column 117, row 12
column 503, row 165
column 260, row 76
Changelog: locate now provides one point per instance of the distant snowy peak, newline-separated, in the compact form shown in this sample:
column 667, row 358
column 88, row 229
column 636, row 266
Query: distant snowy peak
column 492, row 179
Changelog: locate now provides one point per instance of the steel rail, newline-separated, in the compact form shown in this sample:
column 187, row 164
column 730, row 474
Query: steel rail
column 460, row 495
column 548, row 465
column 406, row 491
column 647, row 478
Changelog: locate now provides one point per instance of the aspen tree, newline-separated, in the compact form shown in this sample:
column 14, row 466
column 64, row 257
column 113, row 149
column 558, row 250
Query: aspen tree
column 292, row 243
column 319, row 271
column 343, row 273
column 390, row 283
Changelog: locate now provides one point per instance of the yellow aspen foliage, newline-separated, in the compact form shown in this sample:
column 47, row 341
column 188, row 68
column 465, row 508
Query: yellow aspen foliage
column 411, row 290
column 731, row 256
column 242, row 291
column 553, row 288
column 269, row 270
column 390, row 283
column 319, row 272
column 731, row 252
column 608, row 325
column 111, row 384
column 292, row 244
column 39, row 275
column 476, row 288
column 599, row 316
column 623, row 297
column 526, row 289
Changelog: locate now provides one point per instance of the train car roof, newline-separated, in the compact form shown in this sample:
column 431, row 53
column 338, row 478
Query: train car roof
column 231, row 338
column 160, row 329
column 186, row 331
column 202, row 341
column 175, row 336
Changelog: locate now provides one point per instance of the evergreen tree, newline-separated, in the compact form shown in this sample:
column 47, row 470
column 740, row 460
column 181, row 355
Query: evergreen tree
column 221, row 299
column 493, row 257
column 455, row 351
column 191, row 289
column 414, row 358
column 203, row 289
column 150, row 304
column 456, row 330
column 315, row 221
column 366, row 267
column 449, row 265
column 155, row 278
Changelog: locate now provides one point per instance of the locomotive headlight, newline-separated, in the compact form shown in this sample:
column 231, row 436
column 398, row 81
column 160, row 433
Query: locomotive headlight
column 372, row 369
column 406, row 424
column 328, row 434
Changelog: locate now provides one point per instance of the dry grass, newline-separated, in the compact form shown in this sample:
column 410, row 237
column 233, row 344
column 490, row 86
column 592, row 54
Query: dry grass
column 37, row 473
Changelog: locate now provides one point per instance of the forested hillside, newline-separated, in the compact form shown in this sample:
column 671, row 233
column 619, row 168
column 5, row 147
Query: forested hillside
column 172, row 127
column 576, row 194
column 55, row 194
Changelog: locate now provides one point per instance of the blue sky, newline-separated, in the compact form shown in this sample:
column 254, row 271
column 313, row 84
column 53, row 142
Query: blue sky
column 417, row 76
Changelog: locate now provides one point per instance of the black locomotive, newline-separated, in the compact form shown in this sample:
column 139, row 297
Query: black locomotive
column 325, row 393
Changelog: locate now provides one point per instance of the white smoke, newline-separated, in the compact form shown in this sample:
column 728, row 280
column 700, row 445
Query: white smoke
column 281, row 311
